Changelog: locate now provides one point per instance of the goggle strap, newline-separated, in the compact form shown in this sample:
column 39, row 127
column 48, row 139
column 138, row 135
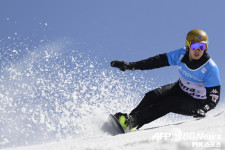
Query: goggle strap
column 188, row 43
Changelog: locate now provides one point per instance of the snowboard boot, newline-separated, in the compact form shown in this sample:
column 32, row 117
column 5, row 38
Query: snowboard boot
column 128, row 122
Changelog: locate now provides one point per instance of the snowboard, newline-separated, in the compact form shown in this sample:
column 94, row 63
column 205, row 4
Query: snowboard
column 114, row 122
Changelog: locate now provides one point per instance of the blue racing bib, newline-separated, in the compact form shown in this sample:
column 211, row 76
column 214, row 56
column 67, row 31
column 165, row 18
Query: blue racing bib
column 194, row 81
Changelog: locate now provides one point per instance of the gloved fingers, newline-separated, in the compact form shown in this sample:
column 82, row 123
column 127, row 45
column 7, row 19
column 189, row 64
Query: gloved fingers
column 116, row 63
column 113, row 63
column 199, row 113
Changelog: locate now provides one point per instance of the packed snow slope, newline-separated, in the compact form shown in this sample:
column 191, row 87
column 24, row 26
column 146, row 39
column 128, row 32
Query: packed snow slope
column 207, row 133
column 60, row 93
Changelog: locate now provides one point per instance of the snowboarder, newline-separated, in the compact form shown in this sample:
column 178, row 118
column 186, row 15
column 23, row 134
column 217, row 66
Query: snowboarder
column 196, row 92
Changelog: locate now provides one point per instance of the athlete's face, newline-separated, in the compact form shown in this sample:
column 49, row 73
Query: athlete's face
column 195, row 54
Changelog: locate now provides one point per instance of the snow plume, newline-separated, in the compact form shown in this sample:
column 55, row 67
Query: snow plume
column 51, row 91
column 54, row 90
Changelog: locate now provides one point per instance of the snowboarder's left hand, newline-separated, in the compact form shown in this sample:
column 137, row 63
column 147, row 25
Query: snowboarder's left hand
column 199, row 113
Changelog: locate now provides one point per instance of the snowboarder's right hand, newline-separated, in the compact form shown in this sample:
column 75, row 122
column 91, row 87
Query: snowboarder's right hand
column 122, row 65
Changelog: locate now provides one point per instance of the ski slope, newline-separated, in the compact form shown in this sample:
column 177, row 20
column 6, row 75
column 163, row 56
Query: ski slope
column 207, row 133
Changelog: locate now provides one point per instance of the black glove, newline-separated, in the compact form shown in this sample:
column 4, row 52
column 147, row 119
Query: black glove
column 122, row 65
column 199, row 113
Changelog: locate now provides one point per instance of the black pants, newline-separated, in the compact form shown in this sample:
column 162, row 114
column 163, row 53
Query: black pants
column 163, row 100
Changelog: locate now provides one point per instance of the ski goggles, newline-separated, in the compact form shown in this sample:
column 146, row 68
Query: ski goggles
column 196, row 45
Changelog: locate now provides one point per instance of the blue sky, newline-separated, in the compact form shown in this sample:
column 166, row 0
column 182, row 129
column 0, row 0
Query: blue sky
column 127, row 30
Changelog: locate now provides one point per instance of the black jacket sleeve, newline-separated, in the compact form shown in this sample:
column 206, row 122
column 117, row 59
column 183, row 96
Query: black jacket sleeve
column 157, row 61
column 213, row 97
